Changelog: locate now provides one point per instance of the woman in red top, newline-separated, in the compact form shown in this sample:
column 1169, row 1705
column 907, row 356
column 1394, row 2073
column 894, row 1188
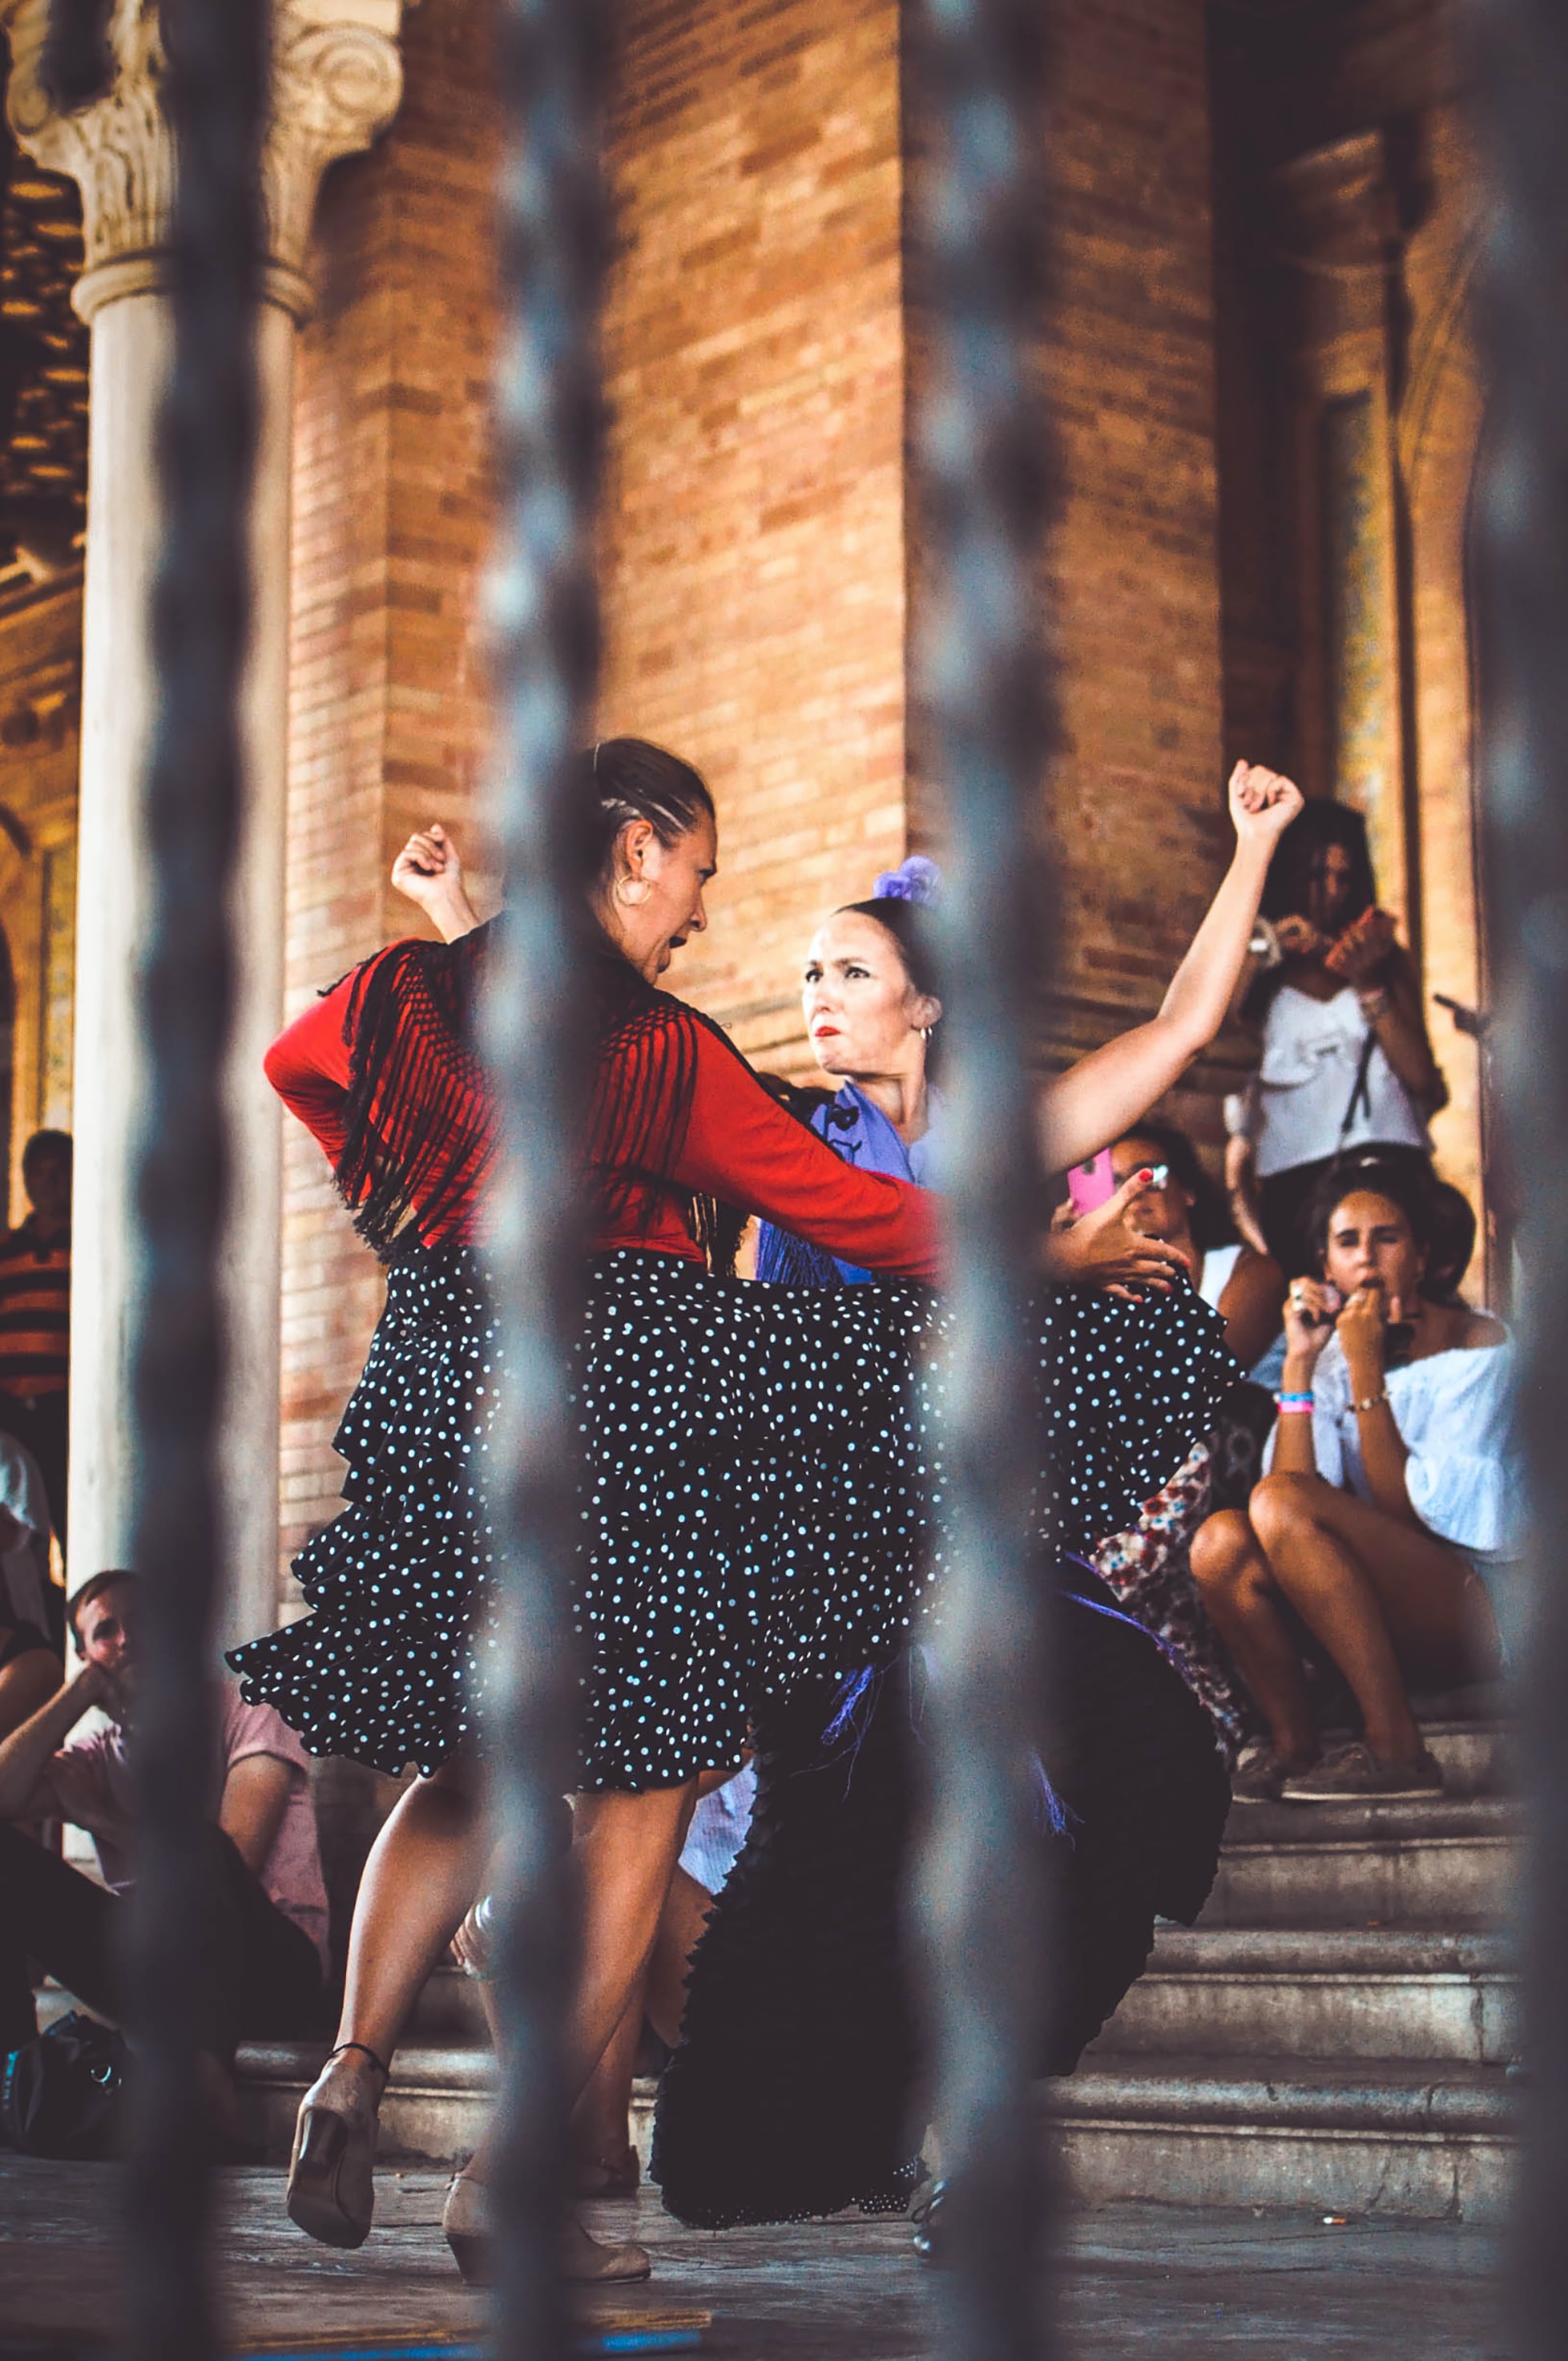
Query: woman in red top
column 700, row 1403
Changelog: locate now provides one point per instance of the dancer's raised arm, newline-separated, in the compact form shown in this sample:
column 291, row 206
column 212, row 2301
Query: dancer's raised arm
column 1105, row 1093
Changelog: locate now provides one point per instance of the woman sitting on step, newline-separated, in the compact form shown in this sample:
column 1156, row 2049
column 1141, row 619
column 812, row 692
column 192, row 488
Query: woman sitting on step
column 1388, row 1523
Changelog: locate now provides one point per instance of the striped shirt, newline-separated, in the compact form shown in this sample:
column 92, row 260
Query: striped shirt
column 35, row 1314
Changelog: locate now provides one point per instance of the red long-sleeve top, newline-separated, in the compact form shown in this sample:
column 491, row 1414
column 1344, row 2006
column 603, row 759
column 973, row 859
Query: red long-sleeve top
column 739, row 1145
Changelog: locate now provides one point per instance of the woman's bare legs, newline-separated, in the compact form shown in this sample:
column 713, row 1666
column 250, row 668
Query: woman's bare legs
column 625, row 1849
column 423, row 1873
column 1237, row 1588
column 686, row 1913
column 599, row 2120
column 419, row 1881
column 1387, row 1601
column 1390, row 1601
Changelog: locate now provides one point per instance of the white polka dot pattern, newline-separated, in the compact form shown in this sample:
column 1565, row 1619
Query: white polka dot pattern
column 760, row 1500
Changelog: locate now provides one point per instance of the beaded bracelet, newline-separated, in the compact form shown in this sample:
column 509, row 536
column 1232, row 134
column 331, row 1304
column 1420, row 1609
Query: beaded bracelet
column 1375, row 1401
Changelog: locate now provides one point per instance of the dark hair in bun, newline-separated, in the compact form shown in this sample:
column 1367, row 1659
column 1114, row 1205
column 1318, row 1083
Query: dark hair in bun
column 900, row 904
column 627, row 779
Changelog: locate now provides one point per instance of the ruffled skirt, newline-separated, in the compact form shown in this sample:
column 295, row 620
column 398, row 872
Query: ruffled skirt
column 759, row 1470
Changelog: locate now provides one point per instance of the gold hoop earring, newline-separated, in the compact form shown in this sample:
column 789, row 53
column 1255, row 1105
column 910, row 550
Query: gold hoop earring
column 632, row 891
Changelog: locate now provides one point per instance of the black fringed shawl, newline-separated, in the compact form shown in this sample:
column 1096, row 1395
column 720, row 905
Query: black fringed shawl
column 419, row 1117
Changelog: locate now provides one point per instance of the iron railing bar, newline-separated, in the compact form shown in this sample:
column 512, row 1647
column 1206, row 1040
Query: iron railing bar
column 545, row 613
column 215, row 95
column 978, row 82
column 1521, row 51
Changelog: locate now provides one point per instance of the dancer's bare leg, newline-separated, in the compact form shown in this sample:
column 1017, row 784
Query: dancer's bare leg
column 423, row 1874
column 625, row 1849
column 419, row 1881
column 686, row 1915
column 600, row 2128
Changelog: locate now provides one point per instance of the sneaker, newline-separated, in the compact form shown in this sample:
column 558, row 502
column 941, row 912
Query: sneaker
column 1355, row 1771
column 1260, row 1773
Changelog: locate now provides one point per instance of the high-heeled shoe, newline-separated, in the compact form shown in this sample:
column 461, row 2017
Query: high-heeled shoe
column 332, row 2191
column 470, row 2232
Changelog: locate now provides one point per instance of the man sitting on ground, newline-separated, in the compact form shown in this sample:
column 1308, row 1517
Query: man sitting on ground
column 266, row 1933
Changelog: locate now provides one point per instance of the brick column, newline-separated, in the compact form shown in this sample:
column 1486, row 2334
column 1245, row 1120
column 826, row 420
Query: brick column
column 337, row 84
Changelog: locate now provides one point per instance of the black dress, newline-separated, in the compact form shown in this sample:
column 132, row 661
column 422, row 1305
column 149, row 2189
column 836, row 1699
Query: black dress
column 796, row 2087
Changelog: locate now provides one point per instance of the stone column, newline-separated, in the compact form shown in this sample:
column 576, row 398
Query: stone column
column 1340, row 231
column 336, row 84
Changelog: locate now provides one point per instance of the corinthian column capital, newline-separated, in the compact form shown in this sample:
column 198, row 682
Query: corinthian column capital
column 336, row 82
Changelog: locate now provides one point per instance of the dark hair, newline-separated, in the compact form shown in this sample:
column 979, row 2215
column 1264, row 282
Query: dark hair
column 1316, row 826
column 627, row 779
column 909, row 924
column 1404, row 1184
column 94, row 1587
column 415, row 1074
column 47, row 1143
column 1453, row 1243
column 1210, row 1221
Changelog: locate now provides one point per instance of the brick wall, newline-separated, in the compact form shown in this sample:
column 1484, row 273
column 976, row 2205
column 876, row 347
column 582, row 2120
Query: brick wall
column 753, row 530
column 1138, row 804
column 40, row 710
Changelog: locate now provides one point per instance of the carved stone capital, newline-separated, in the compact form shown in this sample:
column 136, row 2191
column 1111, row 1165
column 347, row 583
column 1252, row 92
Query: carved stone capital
column 337, row 84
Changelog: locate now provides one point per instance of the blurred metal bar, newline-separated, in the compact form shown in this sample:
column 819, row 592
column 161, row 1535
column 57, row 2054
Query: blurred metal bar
column 545, row 617
column 215, row 95
column 978, row 85
column 1520, row 48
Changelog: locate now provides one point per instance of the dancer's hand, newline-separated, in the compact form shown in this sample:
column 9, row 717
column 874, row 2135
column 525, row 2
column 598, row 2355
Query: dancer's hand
column 1263, row 804
column 427, row 873
column 1102, row 1248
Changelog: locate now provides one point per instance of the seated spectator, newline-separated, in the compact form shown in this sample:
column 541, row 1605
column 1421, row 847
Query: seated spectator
column 1387, row 1529
column 1184, row 1209
column 1147, row 1566
column 34, row 1315
column 265, row 1937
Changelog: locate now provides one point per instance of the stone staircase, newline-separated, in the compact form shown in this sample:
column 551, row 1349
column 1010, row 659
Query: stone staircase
column 1334, row 2036
column 1337, row 2033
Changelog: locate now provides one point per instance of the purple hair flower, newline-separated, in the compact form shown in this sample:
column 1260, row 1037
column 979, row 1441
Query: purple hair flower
column 915, row 880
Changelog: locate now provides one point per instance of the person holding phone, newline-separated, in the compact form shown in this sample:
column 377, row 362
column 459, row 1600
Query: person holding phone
column 1388, row 1523
column 1346, row 1062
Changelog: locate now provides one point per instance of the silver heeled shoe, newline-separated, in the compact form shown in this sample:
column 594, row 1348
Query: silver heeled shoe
column 332, row 2192
column 469, row 2232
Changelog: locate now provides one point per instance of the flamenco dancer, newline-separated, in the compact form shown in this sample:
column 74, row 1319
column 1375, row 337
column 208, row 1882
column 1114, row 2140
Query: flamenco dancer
column 703, row 1416
column 793, row 2092
column 837, row 2141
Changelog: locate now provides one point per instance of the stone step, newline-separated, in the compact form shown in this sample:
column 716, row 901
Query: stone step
column 1476, row 1758
column 1322, row 1993
column 449, row 2011
column 435, row 2110
column 1403, row 2140
column 1446, row 1862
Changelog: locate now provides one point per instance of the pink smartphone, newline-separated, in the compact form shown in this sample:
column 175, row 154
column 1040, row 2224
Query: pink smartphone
column 1090, row 1184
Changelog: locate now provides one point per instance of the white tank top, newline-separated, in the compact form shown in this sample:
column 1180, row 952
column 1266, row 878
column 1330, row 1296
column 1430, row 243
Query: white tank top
column 1312, row 1050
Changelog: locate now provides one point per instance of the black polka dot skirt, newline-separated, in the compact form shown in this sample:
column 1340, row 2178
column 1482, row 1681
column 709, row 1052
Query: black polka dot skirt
column 760, row 1501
